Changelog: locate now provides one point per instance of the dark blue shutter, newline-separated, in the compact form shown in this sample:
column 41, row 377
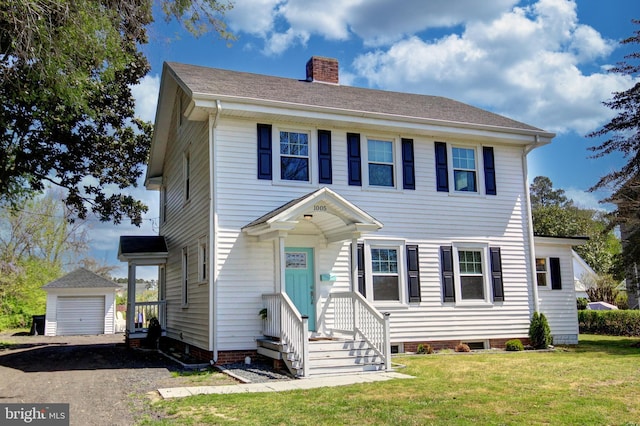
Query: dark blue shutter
column 324, row 157
column 264, row 151
column 362, row 287
column 489, row 170
column 413, row 272
column 554, row 268
column 353, row 153
column 408, row 168
column 442, row 174
column 446, row 262
column 496, row 274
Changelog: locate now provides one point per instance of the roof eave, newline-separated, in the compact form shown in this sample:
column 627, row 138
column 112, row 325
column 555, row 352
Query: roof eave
column 203, row 103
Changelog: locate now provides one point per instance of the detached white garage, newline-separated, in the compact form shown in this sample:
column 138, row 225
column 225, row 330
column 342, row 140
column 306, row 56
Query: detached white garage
column 81, row 302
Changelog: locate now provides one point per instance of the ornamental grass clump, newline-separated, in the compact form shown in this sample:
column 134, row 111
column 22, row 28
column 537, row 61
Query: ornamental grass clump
column 539, row 332
column 424, row 349
column 463, row 347
column 514, row 345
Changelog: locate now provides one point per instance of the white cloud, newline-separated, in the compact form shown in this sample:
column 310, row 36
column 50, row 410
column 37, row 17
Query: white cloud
column 146, row 96
column 524, row 64
column 587, row 200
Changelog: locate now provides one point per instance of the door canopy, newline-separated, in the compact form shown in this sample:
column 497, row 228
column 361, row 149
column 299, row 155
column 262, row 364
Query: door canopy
column 335, row 217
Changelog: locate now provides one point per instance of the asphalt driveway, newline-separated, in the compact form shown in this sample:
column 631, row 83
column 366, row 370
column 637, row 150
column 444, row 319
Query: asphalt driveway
column 104, row 383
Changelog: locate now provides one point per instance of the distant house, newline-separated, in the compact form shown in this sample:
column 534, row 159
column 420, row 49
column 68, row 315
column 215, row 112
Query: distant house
column 581, row 270
column 80, row 302
column 311, row 222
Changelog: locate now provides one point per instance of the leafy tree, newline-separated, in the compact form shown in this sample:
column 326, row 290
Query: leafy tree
column 542, row 194
column 555, row 215
column 622, row 135
column 67, row 115
column 37, row 239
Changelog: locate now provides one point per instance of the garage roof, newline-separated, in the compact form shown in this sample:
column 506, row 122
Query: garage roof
column 81, row 278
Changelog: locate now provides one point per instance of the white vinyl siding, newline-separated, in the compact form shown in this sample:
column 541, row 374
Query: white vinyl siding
column 184, row 224
column 559, row 306
column 422, row 216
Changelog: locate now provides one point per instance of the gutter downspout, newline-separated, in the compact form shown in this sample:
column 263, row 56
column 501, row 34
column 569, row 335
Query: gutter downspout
column 213, row 237
column 532, row 248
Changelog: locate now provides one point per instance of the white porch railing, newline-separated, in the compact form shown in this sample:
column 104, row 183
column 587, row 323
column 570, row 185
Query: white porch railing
column 354, row 316
column 284, row 322
column 144, row 311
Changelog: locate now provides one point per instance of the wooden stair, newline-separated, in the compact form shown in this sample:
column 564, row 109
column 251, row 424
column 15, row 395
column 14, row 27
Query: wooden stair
column 327, row 356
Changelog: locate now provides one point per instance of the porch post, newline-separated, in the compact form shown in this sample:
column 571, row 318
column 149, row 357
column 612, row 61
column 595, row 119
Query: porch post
column 354, row 264
column 305, row 346
column 280, row 265
column 131, row 298
column 387, row 342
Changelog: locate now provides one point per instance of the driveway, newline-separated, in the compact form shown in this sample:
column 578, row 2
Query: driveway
column 104, row 383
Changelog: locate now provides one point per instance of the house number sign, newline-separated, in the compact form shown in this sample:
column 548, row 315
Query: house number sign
column 319, row 208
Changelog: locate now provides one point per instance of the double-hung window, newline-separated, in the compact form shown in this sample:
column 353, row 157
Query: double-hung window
column 464, row 169
column 471, row 273
column 294, row 156
column 541, row 272
column 381, row 163
column 472, row 282
column 384, row 272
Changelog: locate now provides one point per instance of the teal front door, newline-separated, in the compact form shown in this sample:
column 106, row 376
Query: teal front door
column 299, row 281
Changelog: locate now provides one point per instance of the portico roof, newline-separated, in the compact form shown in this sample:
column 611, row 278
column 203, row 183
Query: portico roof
column 143, row 249
column 337, row 218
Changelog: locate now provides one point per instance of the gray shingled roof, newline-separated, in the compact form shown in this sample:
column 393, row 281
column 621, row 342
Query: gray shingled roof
column 277, row 211
column 81, row 278
column 220, row 84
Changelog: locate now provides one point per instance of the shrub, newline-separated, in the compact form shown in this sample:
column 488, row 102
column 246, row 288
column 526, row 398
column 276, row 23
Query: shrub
column 622, row 301
column 514, row 345
column 462, row 347
column 539, row 332
column 581, row 302
column 613, row 323
column 424, row 349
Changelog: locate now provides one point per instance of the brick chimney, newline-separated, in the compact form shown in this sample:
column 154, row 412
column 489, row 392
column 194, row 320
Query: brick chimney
column 322, row 69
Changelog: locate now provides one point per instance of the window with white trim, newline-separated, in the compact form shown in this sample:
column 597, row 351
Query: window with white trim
column 186, row 169
column 472, row 278
column 384, row 271
column 464, row 169
column 294, row 156
column 542, row 275
column 380, row 160
column 185, row 277
column 202, row 259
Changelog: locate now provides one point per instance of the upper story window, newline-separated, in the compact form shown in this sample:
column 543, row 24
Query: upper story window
column 294, row 156
column 381, row 164
column 186, row 169
column 464, row 169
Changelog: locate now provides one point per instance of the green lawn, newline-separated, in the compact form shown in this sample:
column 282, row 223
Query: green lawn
column 597, row 383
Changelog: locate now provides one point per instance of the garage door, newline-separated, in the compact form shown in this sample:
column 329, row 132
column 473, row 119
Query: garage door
column 80, row 315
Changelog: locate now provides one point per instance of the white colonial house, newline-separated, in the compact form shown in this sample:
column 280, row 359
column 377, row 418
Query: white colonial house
column 328, row 225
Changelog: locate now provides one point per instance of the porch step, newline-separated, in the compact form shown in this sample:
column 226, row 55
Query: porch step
column 327, row 357
column 341, row 357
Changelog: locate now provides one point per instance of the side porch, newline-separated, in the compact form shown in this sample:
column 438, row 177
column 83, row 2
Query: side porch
column 144, row 318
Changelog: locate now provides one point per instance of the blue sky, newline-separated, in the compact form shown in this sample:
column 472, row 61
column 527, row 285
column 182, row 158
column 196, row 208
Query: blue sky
column 541, row 62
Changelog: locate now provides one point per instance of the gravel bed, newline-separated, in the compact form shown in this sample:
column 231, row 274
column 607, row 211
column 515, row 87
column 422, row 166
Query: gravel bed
column 253, row 373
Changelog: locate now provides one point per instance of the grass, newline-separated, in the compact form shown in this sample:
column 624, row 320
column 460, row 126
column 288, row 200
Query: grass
column 594, row 383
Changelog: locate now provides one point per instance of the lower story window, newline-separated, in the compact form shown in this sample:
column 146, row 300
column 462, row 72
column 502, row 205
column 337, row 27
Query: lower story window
column 384, row 268
column 471, row 275
column 541, row 271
